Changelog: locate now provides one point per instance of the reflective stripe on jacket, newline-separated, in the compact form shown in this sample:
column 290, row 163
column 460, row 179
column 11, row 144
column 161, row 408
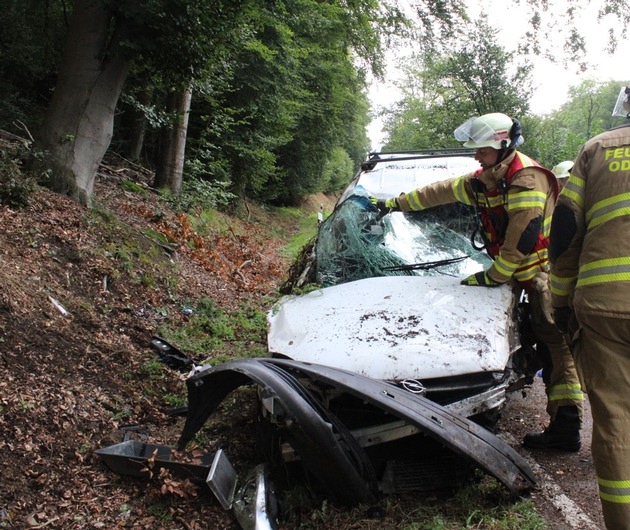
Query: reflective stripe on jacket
column 516, row 200
column 590, row 247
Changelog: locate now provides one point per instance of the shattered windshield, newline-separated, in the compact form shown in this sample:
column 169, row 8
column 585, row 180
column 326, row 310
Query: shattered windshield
column 356, row 242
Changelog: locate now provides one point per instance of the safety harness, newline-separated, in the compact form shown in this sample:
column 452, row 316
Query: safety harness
column 491, row 210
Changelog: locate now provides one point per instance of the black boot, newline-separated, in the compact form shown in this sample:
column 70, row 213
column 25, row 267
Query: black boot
column 563, row 433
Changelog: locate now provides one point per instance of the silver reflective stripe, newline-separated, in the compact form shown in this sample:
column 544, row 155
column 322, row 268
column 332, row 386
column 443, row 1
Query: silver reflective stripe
column 617, row 491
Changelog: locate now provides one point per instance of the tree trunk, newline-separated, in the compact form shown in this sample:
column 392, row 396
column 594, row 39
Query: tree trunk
column 138, row 127
column 171, row 169
column 78, row 126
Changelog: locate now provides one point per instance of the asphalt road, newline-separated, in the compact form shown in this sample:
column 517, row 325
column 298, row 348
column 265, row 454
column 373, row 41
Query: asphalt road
column 566, row 492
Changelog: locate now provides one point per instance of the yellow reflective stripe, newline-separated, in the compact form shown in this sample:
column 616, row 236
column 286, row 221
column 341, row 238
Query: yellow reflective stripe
column 607, row 209
column 615, row 484
column 413, row 198
column 617, row 491
column 566, row 391
column 576, row 396
column 527, row 274
column 536, row 258
column 531, row 265
column 492, row 202
column 497, row 201
column 539, row 256
column 505, row 267
column 525, row 160
column 546, row 226
column 605, row 271
column 619, row 499
column 562, row 286
column 574, row 190
column 527, row 199
column 459, row 191
column 526, row 269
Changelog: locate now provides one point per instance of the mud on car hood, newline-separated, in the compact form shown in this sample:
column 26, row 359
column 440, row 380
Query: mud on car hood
column 326, row 446
column 398, row 327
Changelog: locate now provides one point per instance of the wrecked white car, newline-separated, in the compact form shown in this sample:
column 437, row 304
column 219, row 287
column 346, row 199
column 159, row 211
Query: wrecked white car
column 391, row 307
column 383, row 378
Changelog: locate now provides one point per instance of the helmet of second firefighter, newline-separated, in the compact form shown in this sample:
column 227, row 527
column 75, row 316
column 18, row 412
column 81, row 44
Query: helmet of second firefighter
column 562, row 169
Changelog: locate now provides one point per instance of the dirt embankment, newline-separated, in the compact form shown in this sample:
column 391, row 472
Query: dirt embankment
column 81, row 294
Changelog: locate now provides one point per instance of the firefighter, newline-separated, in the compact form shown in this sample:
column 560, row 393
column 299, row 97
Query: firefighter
column 590, row 285
column 562, row 171
column 514, row 198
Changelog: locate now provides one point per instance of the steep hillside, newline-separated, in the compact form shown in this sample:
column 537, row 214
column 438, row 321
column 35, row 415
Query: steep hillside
column 81, row 294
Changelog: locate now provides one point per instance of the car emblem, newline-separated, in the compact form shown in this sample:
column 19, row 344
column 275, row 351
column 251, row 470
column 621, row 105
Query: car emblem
column 413, row 386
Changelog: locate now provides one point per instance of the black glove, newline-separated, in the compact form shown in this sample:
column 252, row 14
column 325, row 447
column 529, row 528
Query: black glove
column 481, row 279
column 385, row 205
column 561, row 317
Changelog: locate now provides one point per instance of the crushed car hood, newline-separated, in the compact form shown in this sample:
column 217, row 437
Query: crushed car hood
column 398, row 327
column 327, row 448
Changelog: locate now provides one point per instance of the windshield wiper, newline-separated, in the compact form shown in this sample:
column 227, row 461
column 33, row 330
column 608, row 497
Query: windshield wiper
column 426, row 265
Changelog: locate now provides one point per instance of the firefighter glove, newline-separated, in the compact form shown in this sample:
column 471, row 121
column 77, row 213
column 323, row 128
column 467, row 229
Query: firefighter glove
column 481, row 279
column 385, row 205
column 561, row 316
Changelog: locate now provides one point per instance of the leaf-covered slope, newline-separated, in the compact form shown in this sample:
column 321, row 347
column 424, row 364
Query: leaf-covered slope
column 81, row 294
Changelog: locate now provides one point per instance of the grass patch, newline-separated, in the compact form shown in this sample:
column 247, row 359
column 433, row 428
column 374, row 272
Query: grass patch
column 133, row 187
column 484, row 505
column 219, row 335
column 306, row 230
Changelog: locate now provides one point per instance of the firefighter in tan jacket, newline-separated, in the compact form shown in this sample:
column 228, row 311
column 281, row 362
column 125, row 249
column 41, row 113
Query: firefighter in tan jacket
column 590, row 283
column 514, row 198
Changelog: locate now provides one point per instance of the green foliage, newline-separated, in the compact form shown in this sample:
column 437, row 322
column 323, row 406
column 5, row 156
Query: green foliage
column 200, row 194
column 295, row 95
column 441, row 91
column 305, row 237
column 560, row 135
column 31, row 35
column 220, row 335
column 484, row 504
column 161, row 512
column 152, row 369
column 15, row 186
column 133, row 187
column 277, row 86
column 338, row 170
column 173, row 400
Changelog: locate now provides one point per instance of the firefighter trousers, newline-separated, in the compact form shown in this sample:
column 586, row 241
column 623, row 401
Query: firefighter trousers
column 562, row 383
column 601, row 346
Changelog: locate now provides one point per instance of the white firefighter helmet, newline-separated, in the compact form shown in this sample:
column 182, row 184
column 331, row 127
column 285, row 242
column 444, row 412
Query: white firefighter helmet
column 562, row 169
column 495, row 130
column 622, row 106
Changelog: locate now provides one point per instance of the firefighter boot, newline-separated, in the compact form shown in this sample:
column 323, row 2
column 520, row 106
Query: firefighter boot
column 563, row 433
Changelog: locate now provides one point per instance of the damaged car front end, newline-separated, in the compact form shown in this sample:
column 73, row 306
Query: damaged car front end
column 387, row 376
column 339, row 456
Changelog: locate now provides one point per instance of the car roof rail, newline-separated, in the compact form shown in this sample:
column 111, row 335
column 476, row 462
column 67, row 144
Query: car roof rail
column 375, row 157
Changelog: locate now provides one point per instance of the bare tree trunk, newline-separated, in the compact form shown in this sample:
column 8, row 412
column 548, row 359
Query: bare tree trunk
column 139, row 125
column 78, row 126
column 171, row 170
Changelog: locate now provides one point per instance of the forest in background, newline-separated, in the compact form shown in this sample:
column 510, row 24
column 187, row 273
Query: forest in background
column 263, row 100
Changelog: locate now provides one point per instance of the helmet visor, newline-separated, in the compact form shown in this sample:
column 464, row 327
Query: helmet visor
column 477, row 131
column 622, row 106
